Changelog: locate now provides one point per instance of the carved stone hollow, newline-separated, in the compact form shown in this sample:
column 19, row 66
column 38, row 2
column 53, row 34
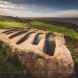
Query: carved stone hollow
column 44, row 54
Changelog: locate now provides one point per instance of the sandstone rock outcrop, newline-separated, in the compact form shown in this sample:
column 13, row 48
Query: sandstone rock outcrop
column 44, row 54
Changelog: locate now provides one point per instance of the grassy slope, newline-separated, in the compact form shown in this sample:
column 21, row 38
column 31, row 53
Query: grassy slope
column 5, row 24
column 54, row 28
column 72, row 34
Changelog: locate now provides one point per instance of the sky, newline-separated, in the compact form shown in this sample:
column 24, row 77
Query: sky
column 39, row 8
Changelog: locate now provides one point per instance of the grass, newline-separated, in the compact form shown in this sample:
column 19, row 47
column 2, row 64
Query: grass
column 40, row 25
column 70, row 33
column 54, row 28
column 5, row 24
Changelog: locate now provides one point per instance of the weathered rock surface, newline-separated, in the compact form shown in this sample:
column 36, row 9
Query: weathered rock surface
column 40, row 63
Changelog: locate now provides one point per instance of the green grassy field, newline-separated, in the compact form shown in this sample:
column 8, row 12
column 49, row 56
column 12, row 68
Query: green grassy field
column 71, row 34
column 40, row 25
column 7, row 24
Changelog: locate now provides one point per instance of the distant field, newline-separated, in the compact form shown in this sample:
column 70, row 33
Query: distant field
column 70, row 34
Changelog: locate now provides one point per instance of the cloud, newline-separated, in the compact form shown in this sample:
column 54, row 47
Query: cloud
column 27, row 10
column 68, row 13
